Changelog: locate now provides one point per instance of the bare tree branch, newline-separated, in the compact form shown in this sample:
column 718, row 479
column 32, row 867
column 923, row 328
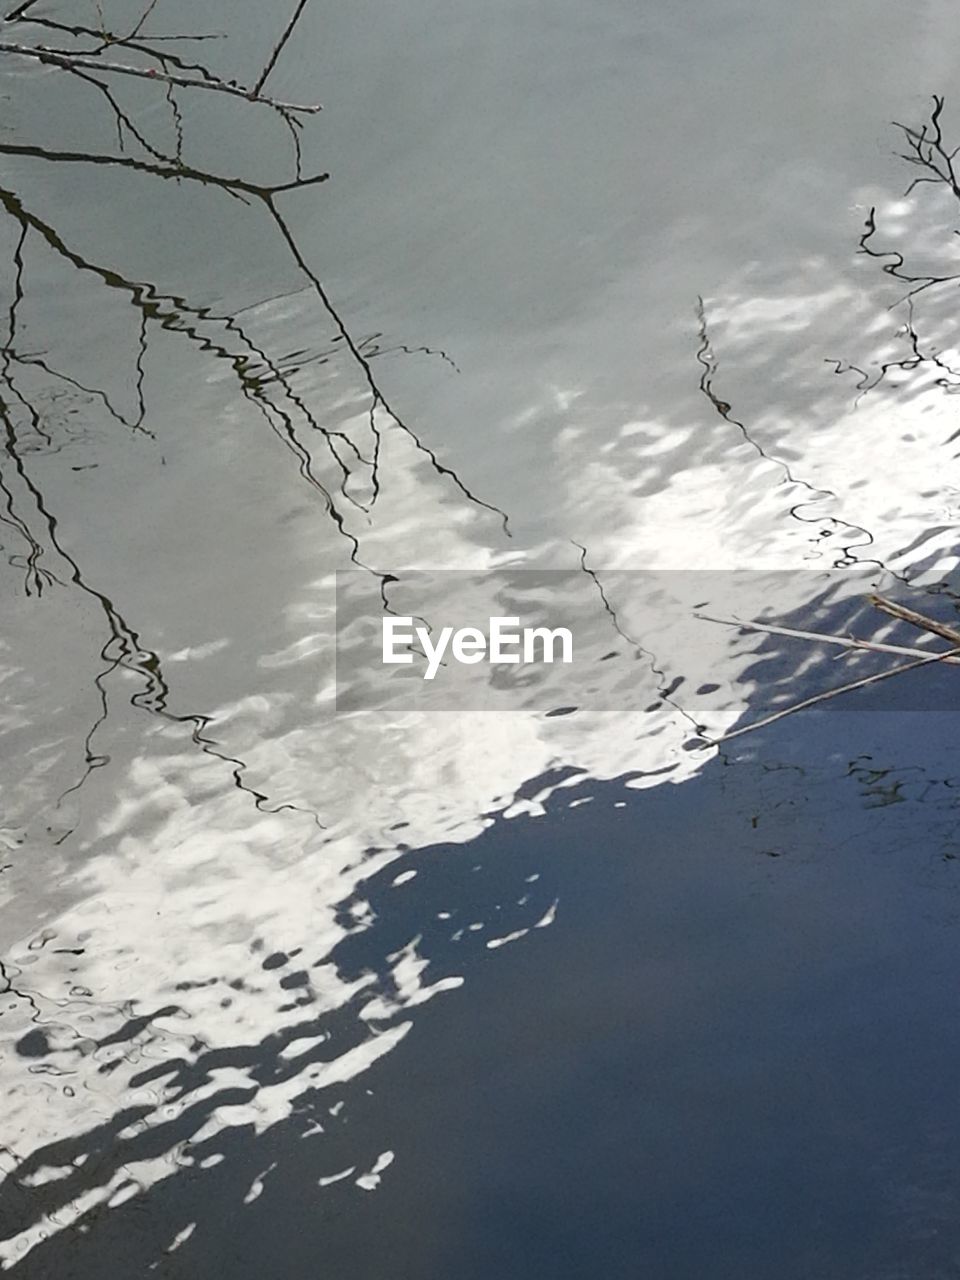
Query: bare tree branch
column 143, row 17
column 58, row 58
column 19, row 11
column 952, row 654
column 272, row 60
column 160, row 171
column 915, row 619
column 143, row 46
column 264, row 380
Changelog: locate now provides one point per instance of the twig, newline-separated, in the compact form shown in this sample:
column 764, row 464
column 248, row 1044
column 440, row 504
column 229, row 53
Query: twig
column 272, row 60
column 846, row 642
column 71, row 61
column 209, row 35
column 951, row 655
column 174, row 171
column 121, row 118
column 19, row 11
column 916, row 619
column 134, row 46
column 143, row 17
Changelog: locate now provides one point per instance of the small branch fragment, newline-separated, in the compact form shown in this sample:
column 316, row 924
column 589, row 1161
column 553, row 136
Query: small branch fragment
column 916, row 619
column 278, row 48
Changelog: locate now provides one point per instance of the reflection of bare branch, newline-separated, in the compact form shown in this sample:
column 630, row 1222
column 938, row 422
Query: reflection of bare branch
column 180, row 35
column 177, row 124
column 895, row 268
column 142, row 19
column 665, row 689
column 284, row 409
column 38, row 361
column 148, row 302
column 608, row 607
column 121, row 118
column 124, row 648
column 278, row 47
column 68, row 61
column 863, row 385
column 7, row 351
column 15, row 14
column 164, row 57
column 35, row 574
column 174, row 171
column 11, row 356
column 709, row 363
column 373, row 351
column 242, row 187
column 93, row 760
column 949, row 378
column 923, row 660
column 378, row 399
column 928, row 152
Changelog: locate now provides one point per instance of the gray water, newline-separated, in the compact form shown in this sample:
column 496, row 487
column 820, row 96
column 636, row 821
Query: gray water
column 294, row 985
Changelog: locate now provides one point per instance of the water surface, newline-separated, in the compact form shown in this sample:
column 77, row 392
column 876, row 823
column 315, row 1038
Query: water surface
column 503, row 992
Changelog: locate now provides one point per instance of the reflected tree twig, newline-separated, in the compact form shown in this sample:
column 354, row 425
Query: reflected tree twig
column 278, row 47
column 269, row 388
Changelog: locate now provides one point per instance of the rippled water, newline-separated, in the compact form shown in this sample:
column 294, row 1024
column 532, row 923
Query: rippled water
column 299, row 978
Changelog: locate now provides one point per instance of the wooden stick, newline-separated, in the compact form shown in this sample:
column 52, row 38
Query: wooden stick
column 950, row 655
column 846, row 642
column 916, row 619
column 72, row 60
column 278, row 48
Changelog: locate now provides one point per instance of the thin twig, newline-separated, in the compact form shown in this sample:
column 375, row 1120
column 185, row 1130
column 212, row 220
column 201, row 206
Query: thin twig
column 143, row 17
column 165, row 59
column 272, row 60
column 70, row 61
column 916, row 619
column 846, row 642
column 121, row 118
column 209, row 35
column 174, row 171
column 20, row 10
column 951, row 655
